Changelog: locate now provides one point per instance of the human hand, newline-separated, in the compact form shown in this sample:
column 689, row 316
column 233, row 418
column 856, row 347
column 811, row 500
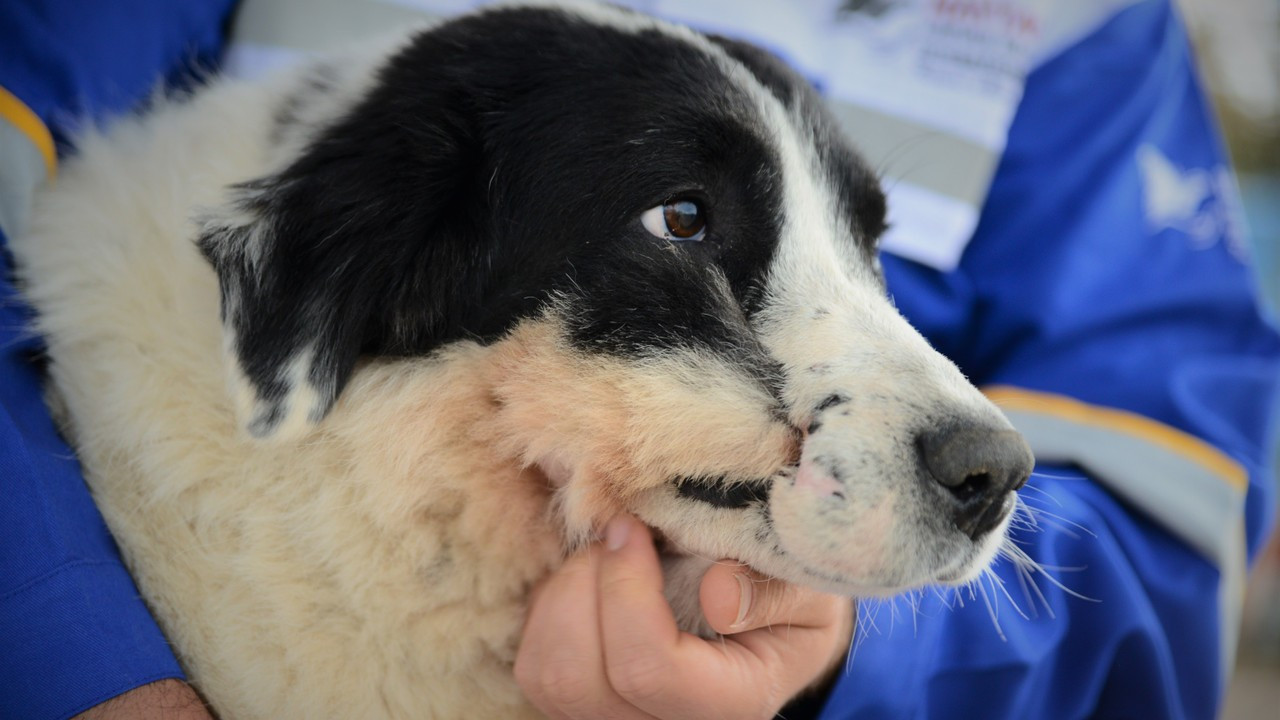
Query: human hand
column 161, row 700
column 600, row 640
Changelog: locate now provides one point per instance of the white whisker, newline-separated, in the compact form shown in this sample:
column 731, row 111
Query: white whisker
column 991, row 610
column 1051, row 476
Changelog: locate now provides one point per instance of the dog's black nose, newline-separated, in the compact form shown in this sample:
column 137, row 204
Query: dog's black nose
column 978, row 466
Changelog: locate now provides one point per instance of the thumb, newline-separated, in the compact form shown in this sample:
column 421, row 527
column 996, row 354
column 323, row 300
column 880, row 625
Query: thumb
column 737, row 599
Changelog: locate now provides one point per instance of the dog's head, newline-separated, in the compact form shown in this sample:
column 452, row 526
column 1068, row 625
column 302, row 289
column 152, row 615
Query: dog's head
column 671, row 251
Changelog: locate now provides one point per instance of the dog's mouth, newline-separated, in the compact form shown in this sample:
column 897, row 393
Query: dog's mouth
column 823, row 541
column 724, row 493
column 857, row 545
column 961, row 570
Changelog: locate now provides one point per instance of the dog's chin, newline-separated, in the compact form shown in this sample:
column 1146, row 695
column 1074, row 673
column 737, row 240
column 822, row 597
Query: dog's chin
column 836, row 584
column 975, row 563
column 958, row 574
column 962, row 564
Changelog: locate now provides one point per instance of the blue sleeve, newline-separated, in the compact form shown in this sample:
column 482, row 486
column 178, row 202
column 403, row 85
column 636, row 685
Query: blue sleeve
column 1107, row 283
column 73, row 630
column 68, row 59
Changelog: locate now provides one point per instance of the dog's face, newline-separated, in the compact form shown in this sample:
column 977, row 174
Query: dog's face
column 671, row 252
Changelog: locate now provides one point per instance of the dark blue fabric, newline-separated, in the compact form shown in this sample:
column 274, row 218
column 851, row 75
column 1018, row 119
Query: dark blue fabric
column 69, row 60
column 1068, row 288
column 73, row 631
column 1133, row 634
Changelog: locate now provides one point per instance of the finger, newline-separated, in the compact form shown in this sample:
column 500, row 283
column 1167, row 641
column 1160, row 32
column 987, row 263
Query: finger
column 648, row 661
column 808, row 632
column 805, row 630
column 560, row 663
column 736, row 599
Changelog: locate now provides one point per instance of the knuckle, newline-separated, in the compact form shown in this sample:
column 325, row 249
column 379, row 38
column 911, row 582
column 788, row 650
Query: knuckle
column 618, row 583
column 639, row 676
column 575, row 571
column 775, row 696
column 565, row 684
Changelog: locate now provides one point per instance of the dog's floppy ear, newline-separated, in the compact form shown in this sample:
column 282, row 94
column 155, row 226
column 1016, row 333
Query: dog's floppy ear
column 345, row 251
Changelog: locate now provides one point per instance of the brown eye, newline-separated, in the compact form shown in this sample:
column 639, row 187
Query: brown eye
column 676, row 220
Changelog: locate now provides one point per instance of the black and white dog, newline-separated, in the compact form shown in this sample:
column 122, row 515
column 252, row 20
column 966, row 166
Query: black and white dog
column 480, row 289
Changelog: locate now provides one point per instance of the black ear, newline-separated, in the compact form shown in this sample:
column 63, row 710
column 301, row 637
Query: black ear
column 342, row 252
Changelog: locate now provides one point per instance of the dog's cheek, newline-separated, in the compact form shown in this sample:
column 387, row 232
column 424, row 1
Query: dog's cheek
column 405, row 458
column 549, row 413
column 604, row 429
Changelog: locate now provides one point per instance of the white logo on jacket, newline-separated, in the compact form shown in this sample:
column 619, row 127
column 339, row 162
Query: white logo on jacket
column 1199, row 202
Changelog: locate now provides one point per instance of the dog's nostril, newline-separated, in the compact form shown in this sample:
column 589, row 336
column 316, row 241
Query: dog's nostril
column 972, row 486
column 978, row 466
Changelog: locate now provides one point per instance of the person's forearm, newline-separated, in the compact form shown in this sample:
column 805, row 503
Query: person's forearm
column 161, row 700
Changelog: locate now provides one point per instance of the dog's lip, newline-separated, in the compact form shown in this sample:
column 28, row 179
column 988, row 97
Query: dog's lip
column 995, row 514
column 953, row 574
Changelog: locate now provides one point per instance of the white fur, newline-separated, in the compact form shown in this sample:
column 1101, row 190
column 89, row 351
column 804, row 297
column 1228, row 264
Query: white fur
column 377, row 564
column 269, row 542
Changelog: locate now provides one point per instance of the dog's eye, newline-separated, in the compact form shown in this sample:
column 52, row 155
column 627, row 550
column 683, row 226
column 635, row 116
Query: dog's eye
column 676, row 220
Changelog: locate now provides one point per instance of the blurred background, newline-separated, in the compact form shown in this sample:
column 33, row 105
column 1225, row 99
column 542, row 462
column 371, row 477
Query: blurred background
column 1238, row 43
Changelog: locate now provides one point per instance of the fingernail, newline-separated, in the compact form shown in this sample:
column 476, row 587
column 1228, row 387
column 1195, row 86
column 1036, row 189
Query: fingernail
column 617, row 532
column 744, row 600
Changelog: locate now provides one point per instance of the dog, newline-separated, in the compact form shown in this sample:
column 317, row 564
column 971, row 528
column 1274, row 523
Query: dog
column 353, row 355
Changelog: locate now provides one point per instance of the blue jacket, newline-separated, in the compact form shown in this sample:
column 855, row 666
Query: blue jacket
column 1125, row 340
column 1104, row 300
column 73, row 631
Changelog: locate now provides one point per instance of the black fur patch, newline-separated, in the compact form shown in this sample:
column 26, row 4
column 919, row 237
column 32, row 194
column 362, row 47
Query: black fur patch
column 497, row 167
column 859, row 193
